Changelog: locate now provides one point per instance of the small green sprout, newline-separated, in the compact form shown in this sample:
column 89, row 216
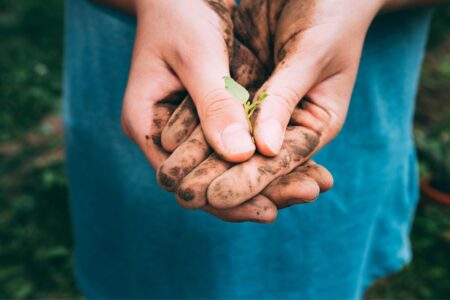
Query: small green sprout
column 241, row 95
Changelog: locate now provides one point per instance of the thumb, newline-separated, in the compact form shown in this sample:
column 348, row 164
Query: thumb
column 222, row 118
column 287, row 85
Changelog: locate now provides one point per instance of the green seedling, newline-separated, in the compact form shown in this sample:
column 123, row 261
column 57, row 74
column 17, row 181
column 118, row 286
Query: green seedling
column 241, row 95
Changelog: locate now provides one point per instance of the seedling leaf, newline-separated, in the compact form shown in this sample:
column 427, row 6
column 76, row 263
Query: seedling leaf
column 241, row 95
column 252, row 107
column 238, row 91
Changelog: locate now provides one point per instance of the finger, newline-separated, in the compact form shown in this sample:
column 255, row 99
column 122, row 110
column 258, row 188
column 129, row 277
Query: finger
column 153, row 149
column 245, row 68
column 292, row 77
column 259, row 209
column 180, row 126
column 191, row 192
column 146, row 130
column 311, row 116
column 202, row 70
column 183, row 160
column 222, row 117
column 248, row 179
column 285, row 88
column 319, row 174
column 302, row 185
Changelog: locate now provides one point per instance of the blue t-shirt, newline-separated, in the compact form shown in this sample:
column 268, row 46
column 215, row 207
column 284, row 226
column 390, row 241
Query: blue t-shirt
column 132, row 240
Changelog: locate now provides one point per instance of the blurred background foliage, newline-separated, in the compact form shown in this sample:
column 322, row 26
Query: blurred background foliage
column 35, row 236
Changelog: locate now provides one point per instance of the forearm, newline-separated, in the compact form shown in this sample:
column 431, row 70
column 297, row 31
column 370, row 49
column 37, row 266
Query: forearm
column 394, row 5
column 127, row 6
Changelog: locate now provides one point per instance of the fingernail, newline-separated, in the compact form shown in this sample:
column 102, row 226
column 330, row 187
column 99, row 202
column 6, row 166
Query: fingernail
column 237, row 139
column 272, row 134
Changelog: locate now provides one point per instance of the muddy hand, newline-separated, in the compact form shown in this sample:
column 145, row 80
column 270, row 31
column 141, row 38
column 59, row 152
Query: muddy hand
column 192, row 167
column 200, row 177
column 244, row 67
column 175, row 50
column 315, row 52
column 199, row 168
column 302, row 185
column 154, row 90
column 187, row 173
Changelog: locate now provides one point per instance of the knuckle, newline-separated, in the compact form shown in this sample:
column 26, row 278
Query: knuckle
column 286, row 97
column 216, row 103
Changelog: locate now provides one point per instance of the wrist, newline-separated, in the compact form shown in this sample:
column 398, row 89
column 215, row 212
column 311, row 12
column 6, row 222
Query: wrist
column 376, row 7
column 127, row 6
column 393, row 5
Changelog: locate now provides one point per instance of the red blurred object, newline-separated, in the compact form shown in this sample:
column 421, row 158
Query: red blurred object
column 433, row 193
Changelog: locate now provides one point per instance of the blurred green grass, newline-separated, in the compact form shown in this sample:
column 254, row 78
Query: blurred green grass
column 35, row 236
column 30, row 63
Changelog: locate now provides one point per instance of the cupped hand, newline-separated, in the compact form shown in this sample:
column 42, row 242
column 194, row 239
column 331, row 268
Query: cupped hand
column 185, row 44
column 193, row 165
column 199, row 177
column 156, row 74
column 313, row 48
column 191, row 168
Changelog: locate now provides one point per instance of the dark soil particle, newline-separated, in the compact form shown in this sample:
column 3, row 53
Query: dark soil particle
column 156, row 139
column 174, row 171
column 186, row 194
column 166, row 180
column 284, row 181
column 201, row 172
column 158, row 123
column 181, row 135
column 188, row 121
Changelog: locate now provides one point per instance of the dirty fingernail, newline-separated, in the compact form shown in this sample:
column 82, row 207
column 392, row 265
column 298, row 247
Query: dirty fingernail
column 272, row 134
column 237, row 139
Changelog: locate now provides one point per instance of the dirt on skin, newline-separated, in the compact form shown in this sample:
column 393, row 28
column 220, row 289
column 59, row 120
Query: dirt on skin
column 190, row 169
column 181, row 124
column 191, row 192
column 183, row 160
column 226, row 25
column 161, row 113
column 249, row 178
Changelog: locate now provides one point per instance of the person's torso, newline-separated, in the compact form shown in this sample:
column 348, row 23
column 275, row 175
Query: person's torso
column 132, row 239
